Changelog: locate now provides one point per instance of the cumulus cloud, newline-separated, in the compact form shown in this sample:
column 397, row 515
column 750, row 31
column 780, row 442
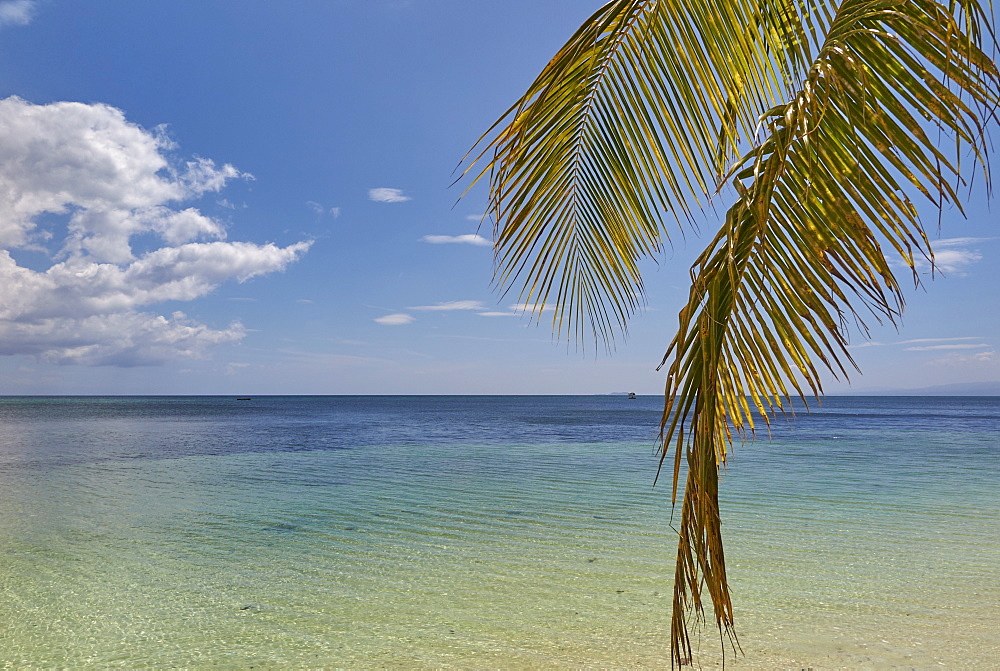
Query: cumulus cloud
column 467, row 239
column 451, row 305
column 387, row 195
column 107, row 180
column 17, row 12
column 397, row 319
column 117, row 339
column 109, row 176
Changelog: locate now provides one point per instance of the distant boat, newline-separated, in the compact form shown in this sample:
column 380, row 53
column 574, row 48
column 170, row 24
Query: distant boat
column 632, row 395
column 245, row 398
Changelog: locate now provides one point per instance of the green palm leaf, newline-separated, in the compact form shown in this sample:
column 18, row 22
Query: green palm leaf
column 623, row 125
column 838, row 109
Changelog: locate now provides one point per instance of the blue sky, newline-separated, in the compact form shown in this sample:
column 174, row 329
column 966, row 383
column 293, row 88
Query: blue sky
column 248, row 197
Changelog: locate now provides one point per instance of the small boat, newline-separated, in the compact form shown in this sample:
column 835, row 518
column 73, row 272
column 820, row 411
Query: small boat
column 245, row 398
column 632, row 395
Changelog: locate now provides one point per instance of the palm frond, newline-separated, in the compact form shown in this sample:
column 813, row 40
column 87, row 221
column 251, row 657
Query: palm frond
column 836, row 110
column 800, row 250
column 635, row 117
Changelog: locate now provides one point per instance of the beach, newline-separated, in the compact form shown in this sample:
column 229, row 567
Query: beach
column 484, row 532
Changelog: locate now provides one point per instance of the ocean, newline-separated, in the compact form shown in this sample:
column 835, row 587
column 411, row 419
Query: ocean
column 484, row 532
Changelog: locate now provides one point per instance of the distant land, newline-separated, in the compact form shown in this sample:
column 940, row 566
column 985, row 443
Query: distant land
column 958, row 389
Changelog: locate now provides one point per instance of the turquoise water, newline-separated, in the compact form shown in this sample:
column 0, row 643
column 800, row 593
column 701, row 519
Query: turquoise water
column 483, row 532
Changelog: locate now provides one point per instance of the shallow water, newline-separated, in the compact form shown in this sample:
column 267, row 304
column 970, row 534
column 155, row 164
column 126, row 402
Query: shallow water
column 483, row 532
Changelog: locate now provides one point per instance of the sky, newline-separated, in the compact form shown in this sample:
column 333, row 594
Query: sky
column 250, row 197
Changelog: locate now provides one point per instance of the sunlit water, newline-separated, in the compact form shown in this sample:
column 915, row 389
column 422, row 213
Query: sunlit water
column 484, row 532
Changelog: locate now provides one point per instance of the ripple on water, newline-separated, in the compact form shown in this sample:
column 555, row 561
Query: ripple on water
column 200, row 539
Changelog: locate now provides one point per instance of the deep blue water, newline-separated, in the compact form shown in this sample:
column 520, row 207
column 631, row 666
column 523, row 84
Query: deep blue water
column 940, row 437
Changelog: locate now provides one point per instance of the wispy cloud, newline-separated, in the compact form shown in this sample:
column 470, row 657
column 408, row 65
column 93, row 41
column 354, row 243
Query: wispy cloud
column 467, row 239
column 17, row 12
column 952, row 261
column 981, row 362
column 517, row 310
column 927, row 348
column 875, row 343
column 320, row 209
column 451, row 305
column 330, row 359
column 870, row 343
column 468, row 337
column 952, row 256
column 916, row 340
column 387, row 195
column 397, row 319
column 531, row 307
column 947, row 243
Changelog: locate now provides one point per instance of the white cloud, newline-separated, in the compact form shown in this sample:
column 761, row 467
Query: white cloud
column 108, row 180
column 978, row 363
column 952, row 256
column 531, row 307
column 953, row 261
column 916, row 340
column 468, row 239
column 497, row 314
column 387, row 195
column 17, row 12
column 875, row 343
column 451, row 305
column 109, row 176
column 122, row 339
column 397, row 319
column 320, row 209
column 870, row 343
column 927, row 348
column 947, row 243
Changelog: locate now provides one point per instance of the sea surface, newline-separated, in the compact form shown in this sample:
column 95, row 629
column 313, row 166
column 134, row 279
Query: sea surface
column 484, row 532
